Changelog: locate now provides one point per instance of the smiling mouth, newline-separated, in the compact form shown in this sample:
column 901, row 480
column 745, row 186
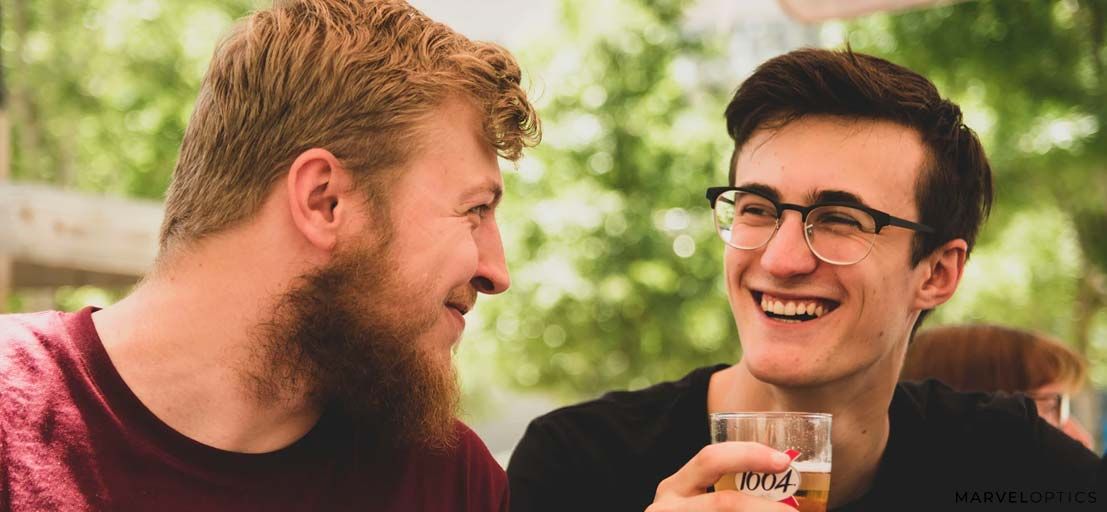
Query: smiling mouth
column 793, row 310
column 461, row 308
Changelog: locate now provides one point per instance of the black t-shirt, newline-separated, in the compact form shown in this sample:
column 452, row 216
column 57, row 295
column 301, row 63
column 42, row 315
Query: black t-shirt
column 946, row 451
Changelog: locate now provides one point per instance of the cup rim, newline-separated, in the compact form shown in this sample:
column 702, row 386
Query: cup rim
column 770, row 414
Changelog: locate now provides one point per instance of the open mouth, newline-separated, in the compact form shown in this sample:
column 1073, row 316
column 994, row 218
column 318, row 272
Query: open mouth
column 793, row 310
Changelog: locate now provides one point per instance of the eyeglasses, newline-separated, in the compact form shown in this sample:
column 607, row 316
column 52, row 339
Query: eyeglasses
column 1052, row 407
column 839, row 233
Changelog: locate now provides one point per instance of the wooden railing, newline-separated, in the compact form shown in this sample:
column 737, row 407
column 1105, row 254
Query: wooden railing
column 51, row 237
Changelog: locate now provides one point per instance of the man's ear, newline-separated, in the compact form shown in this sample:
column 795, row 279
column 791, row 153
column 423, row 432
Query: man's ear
column 319, row 196
column 942, row 271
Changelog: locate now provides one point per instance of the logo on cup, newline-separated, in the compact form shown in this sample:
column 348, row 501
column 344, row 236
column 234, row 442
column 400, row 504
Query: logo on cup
column 780, row 487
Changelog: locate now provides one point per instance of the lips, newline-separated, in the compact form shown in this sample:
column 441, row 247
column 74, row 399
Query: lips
column 461, row 298
column 457, row 312
column 793, row 308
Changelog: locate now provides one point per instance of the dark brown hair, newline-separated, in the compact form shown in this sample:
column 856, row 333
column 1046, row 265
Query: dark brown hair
column 992, row 358
column 954, row 192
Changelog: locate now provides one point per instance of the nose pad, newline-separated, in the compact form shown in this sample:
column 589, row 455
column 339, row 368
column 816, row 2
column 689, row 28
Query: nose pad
column 784, row 255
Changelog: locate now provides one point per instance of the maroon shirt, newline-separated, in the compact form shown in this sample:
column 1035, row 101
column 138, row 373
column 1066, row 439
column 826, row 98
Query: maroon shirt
column 74, row 437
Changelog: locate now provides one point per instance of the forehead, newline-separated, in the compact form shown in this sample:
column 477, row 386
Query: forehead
column 1051, row 388
column 877, row 161
column 453, row 155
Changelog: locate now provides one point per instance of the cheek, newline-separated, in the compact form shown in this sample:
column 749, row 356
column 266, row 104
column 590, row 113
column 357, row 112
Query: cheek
column 429, row 266
column 735, row 262
column 460, row 255
column 884, row 302
column 731, row 267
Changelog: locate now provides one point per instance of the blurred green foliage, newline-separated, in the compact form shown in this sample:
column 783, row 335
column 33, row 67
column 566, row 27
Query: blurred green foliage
column 1032, row 77
column 101, row 90
column 616, row 267
column 617, row 273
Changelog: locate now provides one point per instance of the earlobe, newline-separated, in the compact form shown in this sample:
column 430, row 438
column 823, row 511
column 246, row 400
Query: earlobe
column 944, row 268
column 317, row 186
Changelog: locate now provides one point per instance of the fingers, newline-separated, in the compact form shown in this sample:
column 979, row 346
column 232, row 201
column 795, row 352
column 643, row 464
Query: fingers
column 716, row 460
column 719, row 501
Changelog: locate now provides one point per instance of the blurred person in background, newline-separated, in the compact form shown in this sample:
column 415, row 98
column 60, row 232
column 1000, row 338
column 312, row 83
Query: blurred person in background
column 331, row 218
column 855, row 195
column 998, row 358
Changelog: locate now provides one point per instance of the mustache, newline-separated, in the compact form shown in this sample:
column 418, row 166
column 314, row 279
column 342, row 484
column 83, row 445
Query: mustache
column 464, row 296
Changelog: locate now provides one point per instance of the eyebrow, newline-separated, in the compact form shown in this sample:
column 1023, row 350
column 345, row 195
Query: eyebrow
column 762, row 189
column 493, row 188
column 838, row 196
column 822, row 196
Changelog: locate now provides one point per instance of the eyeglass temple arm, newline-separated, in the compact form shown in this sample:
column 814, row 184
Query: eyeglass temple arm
column 896, row 221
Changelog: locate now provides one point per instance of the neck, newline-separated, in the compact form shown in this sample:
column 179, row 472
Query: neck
column 859, row 405
column 182, row 341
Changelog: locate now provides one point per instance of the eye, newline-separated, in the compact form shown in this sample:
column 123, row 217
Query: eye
column 839, row 218
column 480, row 210
column 751, row 206
column 757, row 210
column 842, row 220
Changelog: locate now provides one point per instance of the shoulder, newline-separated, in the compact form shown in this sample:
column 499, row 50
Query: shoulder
column 997, row 432
column 26, row 328
column 659, row 422
column 44, row 379
column 939, row 405
column 41, row 431
column 626, row 440
column 461, row 477
column 468, row 455
column 636, row 415
column 477, row 480
column 28, row 345
column 472, row 451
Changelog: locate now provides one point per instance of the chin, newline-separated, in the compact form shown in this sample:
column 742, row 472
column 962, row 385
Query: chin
column 445, row 356
column 440, row 347
column 784, row 372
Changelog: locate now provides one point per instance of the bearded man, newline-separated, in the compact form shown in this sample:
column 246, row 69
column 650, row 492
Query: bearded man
column 330, row 221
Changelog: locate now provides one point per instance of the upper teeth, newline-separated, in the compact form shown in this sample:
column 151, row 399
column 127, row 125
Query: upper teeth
column 792, row 307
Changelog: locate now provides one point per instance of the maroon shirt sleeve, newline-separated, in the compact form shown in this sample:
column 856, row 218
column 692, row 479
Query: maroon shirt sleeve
column 485, row 482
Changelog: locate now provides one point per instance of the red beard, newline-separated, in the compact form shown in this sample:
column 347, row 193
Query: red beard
column 339, row 337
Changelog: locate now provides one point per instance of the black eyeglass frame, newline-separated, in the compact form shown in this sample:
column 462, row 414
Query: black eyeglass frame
column 880, row 218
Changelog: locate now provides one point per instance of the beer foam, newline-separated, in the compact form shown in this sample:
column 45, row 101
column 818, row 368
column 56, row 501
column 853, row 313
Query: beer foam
column 812, row 467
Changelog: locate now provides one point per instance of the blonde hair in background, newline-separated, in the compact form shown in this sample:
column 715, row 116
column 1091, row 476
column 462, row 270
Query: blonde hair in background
column 993, row 358
column 355, row 77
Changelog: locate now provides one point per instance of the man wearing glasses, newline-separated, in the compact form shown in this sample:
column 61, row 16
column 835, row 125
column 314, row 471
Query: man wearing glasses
column 855, row 197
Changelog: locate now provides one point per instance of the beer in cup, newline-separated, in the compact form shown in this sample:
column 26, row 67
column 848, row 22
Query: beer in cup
column 805, row 437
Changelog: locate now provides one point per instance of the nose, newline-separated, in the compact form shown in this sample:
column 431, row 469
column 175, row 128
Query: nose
column 491, row 276
column 787, row 253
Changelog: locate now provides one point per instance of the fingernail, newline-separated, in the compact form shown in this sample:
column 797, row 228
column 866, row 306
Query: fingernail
column 781, row 459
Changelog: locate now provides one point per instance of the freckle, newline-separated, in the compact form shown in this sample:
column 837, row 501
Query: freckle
column 863, row 432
